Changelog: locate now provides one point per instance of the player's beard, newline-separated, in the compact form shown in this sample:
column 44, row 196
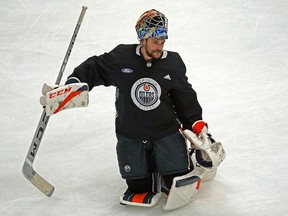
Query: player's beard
column 154, row 54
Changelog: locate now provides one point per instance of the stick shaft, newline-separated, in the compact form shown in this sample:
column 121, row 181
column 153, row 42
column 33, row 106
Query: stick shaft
column 27, row 169
column 67, row 55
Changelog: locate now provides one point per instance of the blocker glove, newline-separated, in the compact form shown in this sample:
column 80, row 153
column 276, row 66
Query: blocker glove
column 57, row 98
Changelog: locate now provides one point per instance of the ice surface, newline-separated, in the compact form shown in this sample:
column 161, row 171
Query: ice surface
column 236, row 53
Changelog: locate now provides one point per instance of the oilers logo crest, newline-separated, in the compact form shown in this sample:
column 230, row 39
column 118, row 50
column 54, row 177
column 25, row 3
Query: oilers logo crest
column 146, row 93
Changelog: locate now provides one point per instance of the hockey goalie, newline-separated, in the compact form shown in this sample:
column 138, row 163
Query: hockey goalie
column 154, row 99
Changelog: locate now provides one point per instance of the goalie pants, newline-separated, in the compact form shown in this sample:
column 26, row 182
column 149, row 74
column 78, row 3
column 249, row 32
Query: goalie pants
column 139, row 159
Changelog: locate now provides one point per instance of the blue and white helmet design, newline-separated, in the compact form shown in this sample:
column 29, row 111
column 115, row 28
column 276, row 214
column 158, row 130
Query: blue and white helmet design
column 152, row 23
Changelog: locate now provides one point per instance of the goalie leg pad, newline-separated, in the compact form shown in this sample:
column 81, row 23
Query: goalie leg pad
column 147, row 199
column 209, row 174
column 184, row 189
column 210, row 171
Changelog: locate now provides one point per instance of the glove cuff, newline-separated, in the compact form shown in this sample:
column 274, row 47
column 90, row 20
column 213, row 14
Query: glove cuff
column 198, row 126
column 71, row 80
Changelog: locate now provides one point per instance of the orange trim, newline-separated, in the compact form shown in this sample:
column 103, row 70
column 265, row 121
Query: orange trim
column 139, row 198
column 66, row 100
column 198, row 184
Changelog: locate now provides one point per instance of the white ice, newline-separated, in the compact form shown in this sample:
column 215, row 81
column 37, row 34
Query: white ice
column 236, row 53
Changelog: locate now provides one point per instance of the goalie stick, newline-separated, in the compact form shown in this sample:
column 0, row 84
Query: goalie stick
column 27, row 169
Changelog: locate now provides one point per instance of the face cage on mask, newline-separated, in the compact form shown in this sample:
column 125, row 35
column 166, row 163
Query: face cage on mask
column 152, row 24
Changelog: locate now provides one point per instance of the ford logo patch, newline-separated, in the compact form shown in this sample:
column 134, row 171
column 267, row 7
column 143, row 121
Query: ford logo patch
column 127, row 70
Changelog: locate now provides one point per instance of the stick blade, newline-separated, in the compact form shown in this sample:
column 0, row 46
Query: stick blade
column 38, row 181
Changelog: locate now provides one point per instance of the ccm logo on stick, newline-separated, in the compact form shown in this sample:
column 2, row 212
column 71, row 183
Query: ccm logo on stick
column 62, row 91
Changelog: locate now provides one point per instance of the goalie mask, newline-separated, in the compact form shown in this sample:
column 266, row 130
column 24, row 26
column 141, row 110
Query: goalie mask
column 152, row 23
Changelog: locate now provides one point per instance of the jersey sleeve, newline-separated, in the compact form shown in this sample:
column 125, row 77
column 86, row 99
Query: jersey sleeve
column 184, row 98
column 96, row 70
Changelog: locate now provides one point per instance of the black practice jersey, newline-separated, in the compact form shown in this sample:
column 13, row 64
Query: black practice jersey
column 152, row 98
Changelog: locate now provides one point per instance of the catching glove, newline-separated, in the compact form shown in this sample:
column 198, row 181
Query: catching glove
column 209, row 153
